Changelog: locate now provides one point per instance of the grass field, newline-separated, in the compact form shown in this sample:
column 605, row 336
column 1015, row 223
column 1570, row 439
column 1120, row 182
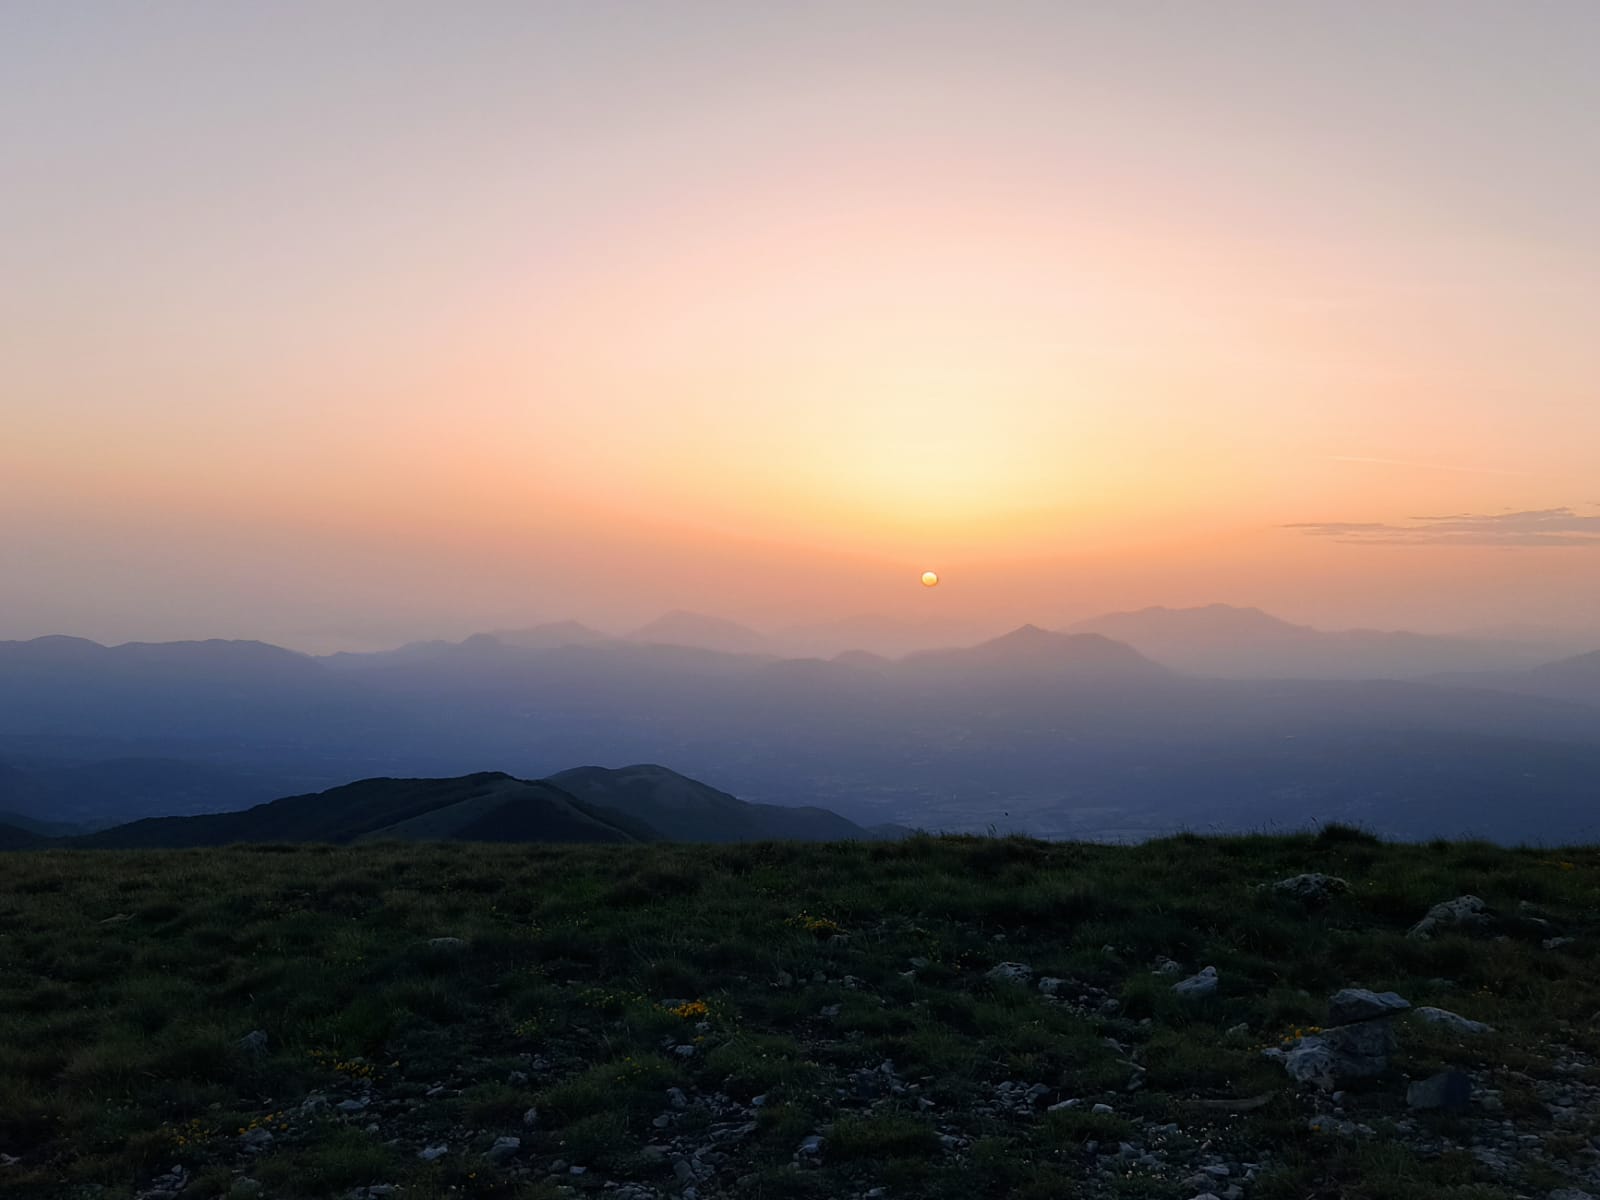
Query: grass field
column 771, row 984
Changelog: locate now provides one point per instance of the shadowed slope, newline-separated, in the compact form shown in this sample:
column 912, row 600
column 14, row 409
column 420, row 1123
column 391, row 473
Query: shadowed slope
column 686, row 810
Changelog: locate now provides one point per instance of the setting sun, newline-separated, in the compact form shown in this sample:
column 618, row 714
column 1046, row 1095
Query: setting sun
column 930, row 579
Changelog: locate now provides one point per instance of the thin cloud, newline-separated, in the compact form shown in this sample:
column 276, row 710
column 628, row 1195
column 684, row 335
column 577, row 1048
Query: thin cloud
column 1530, row 527
column 1422, row 466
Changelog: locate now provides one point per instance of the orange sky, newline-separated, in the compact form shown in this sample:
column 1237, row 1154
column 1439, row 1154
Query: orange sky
column 345, row 329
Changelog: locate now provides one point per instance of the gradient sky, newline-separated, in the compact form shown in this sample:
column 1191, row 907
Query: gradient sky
column 342, row 324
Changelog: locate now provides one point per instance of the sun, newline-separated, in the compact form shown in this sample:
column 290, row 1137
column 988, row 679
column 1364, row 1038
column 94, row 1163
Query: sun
column 930, row 579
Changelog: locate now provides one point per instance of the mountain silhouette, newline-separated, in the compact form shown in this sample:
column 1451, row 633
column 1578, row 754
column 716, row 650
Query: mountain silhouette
column 685, row 810
column 680, row 628
column 643, row 803
column 1247, row 643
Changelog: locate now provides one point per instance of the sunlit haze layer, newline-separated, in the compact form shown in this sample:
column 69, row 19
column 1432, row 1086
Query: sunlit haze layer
column 340, row 325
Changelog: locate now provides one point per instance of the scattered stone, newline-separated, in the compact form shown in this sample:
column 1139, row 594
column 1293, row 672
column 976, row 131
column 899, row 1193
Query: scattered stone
column 1197, row 986
column 1360, row 1050
column 812, row 1146
column 503, row 1149
column 1051, row 986
column 1166, row 966
column 254, row 1042
column 256, row 1141
column 1350, row 1005
column 351, row 1107
column 1011, row 972
column 1556, row 943
column 1453, row 1021
column 684, row 1051
column 530, row 1119
column 1102, row 1109
column 1464, row 913
column 447, row 943
column 432, row 1153
column 1311, row 888
column 1313, row 1062
column 1448, row 1089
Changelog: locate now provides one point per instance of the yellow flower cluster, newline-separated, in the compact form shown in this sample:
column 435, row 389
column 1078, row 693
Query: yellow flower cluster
column 1295, row 1034
column 191, row 1133
column 606, row 998
column 820, row 926
column 630, row 1069
column 691, row 1010
column 355, row 1068
column 272, row 1121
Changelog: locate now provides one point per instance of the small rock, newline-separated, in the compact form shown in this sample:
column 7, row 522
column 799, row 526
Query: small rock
column 1350, row 1005
column 432, row 1153
column 1453, row 1021
column 254, row 1042
column 1311, row 888
column 1010, row 972
column 447, row 943
column 530, row 1119
column 812, row 1145
column 351, row 1107
column 256, row 1141
column 1197, row 986
column 1448, row 1089
column 1556, row 943
column 1467, row 913
column 1102, row 1109
column 503, row 1149
column 684, row 1051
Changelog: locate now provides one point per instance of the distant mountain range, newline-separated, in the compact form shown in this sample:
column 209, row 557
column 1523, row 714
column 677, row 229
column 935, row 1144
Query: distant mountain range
column 588, row 804
column 1219, row 640
column 1246, row 643
column 1062, row 733
column 1576, row 678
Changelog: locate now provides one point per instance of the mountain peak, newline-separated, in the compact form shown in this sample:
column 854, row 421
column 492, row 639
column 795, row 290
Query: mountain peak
column 683, row 628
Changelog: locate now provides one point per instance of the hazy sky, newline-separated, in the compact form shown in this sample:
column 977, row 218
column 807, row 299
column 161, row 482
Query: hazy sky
column 344, row 323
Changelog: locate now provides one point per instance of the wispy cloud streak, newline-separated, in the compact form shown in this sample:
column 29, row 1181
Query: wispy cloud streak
column 1422, row 466
column 1532, row 527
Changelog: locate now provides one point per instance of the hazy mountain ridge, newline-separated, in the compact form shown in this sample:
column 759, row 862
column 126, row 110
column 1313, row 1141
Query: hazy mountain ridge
column 1576, row 678
column 1234, row 642
column 1059, row 734
column 642, row 803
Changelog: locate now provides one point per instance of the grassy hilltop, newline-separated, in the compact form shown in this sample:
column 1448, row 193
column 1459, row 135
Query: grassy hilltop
column 783, row 1020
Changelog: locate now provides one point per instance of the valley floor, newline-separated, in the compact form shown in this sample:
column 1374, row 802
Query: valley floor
column 787, row 1020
